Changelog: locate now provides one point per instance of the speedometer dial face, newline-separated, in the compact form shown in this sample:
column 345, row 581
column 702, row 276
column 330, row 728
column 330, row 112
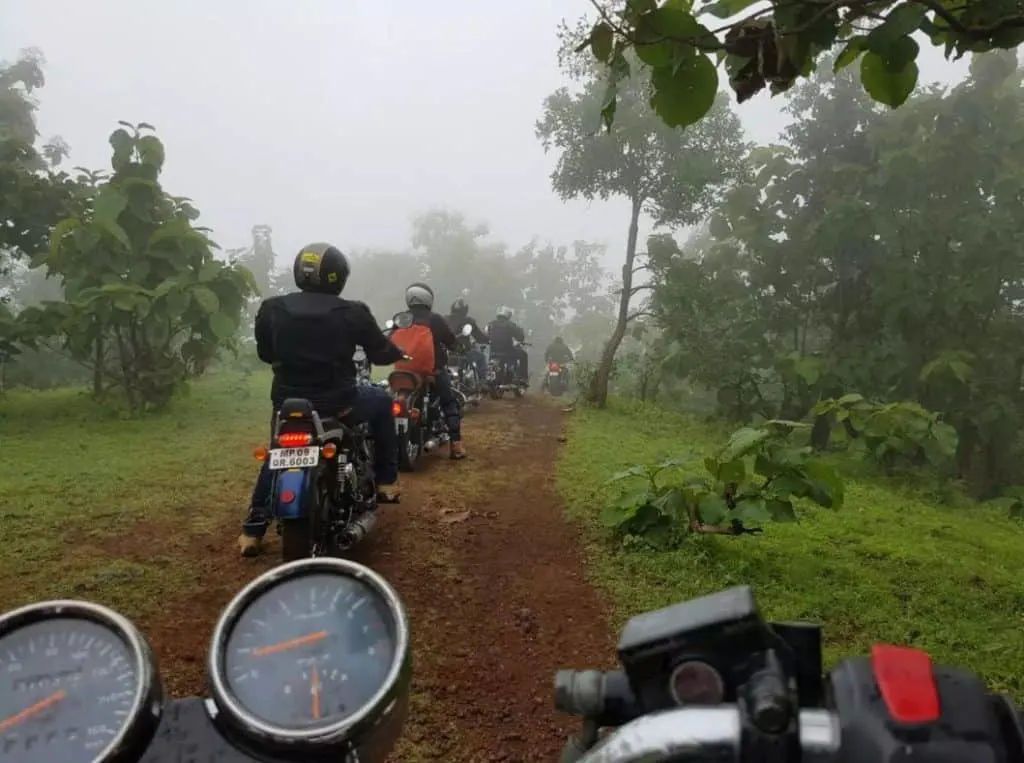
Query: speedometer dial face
column 310, row 652
column 67, row 690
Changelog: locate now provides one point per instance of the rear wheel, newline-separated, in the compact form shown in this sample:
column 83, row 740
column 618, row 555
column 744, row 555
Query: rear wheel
column 296, row 539
column 410, row 447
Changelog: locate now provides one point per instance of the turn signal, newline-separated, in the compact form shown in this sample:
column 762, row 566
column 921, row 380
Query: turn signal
column 330, row 450
column 260, row 454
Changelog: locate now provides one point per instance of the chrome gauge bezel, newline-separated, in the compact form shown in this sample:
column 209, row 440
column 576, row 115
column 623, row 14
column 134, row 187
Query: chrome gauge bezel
column 707, row 670
column 147, row 706
column 343, row 732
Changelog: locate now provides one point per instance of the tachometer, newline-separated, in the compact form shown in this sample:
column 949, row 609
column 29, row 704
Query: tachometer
column 78, row 684
column 310, row 652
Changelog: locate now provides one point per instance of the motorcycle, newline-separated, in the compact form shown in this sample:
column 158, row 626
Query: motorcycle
column 703, row 681
column 416, row 406
column 467, row 384
column 503, row 377
column 363, row 370
column 556, row 380
column 324, row 495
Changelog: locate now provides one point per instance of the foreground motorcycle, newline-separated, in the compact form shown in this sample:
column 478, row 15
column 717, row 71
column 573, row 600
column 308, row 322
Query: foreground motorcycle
column 324, row 497
column 503, row 376
column 556, row 379
column 311, row 662
column 416, row 406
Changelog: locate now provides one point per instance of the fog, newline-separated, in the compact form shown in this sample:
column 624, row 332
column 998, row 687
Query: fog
column 332, row 120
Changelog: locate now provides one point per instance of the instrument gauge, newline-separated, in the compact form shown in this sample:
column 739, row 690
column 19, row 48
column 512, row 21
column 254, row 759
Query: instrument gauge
column 695, row 682
column 78, row 684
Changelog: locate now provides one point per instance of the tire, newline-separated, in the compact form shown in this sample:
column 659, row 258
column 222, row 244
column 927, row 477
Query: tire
column 296, row 539
column 410, row 448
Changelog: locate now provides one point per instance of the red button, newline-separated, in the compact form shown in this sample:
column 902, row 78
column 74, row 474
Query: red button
column 907, row 683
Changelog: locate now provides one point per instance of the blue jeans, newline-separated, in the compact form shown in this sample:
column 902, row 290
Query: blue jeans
column 450, row 405
column 373, row 405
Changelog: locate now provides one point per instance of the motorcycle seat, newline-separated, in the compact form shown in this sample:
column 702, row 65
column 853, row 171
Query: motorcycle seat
column 409, row 380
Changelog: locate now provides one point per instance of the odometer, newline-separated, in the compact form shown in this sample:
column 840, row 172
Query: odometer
column 77, row 685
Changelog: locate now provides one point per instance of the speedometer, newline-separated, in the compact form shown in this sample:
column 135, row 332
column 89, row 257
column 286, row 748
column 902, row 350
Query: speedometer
column 315, row 652
column 78, row 684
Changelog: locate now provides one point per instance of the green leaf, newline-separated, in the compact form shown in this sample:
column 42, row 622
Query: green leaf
column 854, row 47
column 108, row 206
column 903, row 20
column 829, row 490
column 637, row 470
column 781, row 510
column 732, row 471
column 117, row 232
column 685, row 93
column 222, row 326
column 884, row 85
column 752, row 510
column 742, row 442
column 601, row 41
column 851, row 398
column 208, row 302
column 712, row 508
column 723, row 9
column 151, row 151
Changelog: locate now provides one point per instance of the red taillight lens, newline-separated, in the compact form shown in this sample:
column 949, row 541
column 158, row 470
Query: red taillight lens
column 396, row 408
column 287, row 496
column 554, row 367
column 294, row 439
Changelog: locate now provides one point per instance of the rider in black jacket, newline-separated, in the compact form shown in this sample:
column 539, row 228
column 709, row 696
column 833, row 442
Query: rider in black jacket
column 558, row 352
column 308, row 337
column 504, row 334
column 458, row 318
column 419, row 298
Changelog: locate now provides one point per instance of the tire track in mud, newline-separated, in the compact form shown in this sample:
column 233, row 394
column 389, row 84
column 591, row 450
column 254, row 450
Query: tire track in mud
column 492, row 579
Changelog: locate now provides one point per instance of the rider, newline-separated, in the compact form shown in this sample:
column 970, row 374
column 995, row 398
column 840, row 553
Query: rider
column 419, row 298
column 558, row 352
column 309, row 337
column 504, row 333
column 460, row 317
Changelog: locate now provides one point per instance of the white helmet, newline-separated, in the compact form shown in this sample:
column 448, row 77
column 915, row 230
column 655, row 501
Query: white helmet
column 505, row 312
column 419, row 294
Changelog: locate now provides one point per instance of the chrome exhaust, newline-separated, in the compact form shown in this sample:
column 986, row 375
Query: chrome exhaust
column 357, row 529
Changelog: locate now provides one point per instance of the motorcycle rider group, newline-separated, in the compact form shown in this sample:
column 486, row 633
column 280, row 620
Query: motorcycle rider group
column 309, row 337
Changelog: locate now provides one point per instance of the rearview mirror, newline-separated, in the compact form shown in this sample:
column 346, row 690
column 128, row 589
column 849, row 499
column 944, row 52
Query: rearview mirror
column 467, row 330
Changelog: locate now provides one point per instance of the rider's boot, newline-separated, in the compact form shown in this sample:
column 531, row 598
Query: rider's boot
column 250, row 542
column 389, row 493
column 249, row 546
column 457, row 450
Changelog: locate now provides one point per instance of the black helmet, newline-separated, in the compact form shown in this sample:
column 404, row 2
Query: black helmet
column 419, row 294
column 321, row 267
column 460, row 308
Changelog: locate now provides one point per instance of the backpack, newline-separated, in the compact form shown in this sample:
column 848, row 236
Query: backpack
column 416, row 341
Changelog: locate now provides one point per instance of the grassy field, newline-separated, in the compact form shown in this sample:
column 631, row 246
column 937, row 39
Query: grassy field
column 80, row 484
column 888, row 566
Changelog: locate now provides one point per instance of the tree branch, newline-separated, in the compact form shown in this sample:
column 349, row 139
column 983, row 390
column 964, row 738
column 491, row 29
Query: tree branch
column 639, row 314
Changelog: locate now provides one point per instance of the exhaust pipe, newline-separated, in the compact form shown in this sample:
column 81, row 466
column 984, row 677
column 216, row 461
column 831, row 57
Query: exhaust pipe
column 357, row 529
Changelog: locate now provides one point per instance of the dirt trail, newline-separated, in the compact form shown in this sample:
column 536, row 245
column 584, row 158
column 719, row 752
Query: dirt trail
column 492, row 579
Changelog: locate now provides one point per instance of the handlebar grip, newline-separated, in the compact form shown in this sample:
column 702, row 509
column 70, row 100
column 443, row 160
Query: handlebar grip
column 603, row 696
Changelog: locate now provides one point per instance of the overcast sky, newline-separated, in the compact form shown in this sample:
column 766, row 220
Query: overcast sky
column 331, row 119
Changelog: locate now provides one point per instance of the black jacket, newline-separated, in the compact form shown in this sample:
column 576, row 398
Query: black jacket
column 444, row 339
column 309, row 340
column 504, row 333
column 456, row 322
column 558, row 352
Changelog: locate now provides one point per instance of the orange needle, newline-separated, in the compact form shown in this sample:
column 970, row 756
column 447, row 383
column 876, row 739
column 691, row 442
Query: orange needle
column 284, row 646
column 28, row 712
column 316, row 694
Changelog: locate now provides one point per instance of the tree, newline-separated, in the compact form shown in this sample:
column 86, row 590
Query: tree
column 780, row 42
column 673, row 175
column 146, row 302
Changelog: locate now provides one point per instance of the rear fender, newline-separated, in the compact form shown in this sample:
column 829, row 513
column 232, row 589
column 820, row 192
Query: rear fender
column 292, row 484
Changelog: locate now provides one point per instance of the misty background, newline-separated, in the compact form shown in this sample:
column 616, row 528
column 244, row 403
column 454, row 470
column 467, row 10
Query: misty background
column 330, row 120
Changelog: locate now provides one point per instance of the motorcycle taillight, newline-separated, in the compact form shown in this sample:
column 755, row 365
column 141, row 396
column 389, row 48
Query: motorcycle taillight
column 554, row 367
column 294, row 439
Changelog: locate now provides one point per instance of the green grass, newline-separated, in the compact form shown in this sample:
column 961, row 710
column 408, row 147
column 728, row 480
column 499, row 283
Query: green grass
column 888, row 566
column 83, row 490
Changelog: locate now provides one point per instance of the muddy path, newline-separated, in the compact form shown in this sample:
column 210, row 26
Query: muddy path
column 494, row 585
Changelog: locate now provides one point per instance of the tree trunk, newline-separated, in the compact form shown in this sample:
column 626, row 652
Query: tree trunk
column 598, row 393
column 97, row 368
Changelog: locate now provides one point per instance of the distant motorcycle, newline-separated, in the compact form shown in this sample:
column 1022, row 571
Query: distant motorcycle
column 503, row 376
column 465, row 380
column 324, row 495
column 556, row 379
column 416, row 405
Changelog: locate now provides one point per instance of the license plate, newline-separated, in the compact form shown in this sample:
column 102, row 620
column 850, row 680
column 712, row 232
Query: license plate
column 401, row 424
column 554, row 373
column 294, row 458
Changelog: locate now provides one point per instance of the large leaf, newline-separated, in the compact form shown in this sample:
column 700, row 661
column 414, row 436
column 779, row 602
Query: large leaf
column 889, row 86
column 684, row 92
column 713, row 508
column 742, row 442
column 206, row 300
column 222, row 326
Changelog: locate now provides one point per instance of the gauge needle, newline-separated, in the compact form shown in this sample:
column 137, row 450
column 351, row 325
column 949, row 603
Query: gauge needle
column 315, row 689
column 28, row 712
column 284, row 646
